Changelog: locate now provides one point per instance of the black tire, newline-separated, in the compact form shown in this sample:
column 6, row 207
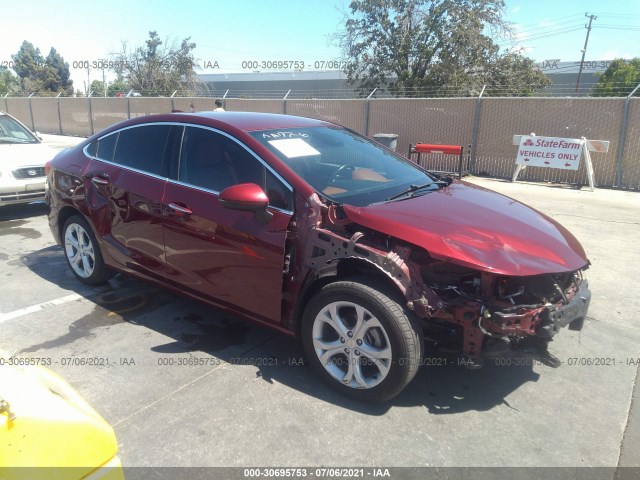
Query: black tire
column 396, row 327
column 78, row 241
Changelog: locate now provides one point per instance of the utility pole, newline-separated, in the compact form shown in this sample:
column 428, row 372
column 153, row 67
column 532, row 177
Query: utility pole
column 584, row 50
column 88, row 81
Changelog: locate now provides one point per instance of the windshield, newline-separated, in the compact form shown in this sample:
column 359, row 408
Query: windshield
column 12, row 132
column 344, row 166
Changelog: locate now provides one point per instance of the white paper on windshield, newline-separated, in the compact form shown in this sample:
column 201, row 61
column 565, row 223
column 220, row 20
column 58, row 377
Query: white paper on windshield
column 294, row 147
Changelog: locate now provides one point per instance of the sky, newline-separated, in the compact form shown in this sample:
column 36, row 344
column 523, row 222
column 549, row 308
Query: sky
column 231, row 34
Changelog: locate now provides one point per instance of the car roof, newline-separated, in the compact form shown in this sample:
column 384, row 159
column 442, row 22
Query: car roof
column 246, row 121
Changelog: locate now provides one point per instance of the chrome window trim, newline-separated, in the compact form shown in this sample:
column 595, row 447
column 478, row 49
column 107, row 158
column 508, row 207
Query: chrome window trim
column 131, row 169
column 217, row 193
column 178, row 182
column 84, row 149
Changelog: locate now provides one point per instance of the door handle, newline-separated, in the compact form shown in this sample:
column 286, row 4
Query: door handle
column 179, row 209
column 99, row 181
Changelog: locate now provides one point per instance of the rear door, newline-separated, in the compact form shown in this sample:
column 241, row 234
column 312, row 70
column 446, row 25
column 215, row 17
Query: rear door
column 126, row 182
column 227, row 256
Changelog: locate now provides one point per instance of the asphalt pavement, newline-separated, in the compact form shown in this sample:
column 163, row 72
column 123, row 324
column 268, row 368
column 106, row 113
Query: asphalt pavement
column 184, row 384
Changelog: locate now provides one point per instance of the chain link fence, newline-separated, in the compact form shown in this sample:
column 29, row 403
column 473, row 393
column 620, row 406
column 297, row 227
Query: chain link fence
column 486, row 125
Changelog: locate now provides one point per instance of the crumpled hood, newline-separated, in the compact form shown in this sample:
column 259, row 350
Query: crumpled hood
column 14, row 155
column 478, row 228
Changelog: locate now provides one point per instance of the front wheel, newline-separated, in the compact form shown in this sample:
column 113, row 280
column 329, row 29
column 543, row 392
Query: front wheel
column 83, row 253
column 361, row 341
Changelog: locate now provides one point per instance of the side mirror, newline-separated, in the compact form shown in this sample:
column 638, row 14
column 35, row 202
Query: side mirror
column 247, row 197
column 38, row 135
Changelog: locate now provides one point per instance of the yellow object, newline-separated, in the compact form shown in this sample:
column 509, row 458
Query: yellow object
column 47, row 431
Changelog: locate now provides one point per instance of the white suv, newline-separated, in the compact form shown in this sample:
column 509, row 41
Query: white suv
column 22, row 159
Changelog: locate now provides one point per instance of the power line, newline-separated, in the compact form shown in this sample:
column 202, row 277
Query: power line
column 618, row 27
column 540, row 36
column 561, row 18
column 618, row 15
column 550, row 25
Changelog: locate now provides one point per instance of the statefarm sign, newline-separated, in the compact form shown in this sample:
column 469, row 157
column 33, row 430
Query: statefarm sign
column 552, row 152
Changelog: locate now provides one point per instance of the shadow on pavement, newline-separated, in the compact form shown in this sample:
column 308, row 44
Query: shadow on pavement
column 447, row 388
column 22, row 210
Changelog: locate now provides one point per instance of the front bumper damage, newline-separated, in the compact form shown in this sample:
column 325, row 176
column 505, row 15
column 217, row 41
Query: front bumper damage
column 545, row 322
column 479, row 313
column 490, row 328
column 572, row 314
column 530, row 332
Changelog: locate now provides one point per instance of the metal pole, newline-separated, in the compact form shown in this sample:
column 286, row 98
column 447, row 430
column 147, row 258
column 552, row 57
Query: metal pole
column 128, row 108
column 584, row 50
column 284, row 102
column 173, row 107
column 33, row 124
column 623, row 134
column 366, row 112
column 59, row 115
column 90, row 116
column 474, row 132
column 224, row 99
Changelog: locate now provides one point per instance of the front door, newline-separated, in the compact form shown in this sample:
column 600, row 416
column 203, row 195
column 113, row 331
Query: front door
column 227, row 256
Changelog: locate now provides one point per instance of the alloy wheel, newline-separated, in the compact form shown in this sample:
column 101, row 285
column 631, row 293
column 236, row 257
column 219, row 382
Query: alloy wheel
column 352, row 345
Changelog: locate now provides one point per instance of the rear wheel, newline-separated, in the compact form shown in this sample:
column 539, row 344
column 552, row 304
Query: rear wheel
column 361, row 340
column 83, row 253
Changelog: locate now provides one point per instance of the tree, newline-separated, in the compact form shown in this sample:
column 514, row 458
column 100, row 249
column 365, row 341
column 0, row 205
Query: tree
column 427, row 47
column 158, row 68
column 28, row 64
column 117, row 86
column 619, row 79
column 8, row 81
column 97, row 88
column 58, row 73
column 513, row 75
column 39, row 74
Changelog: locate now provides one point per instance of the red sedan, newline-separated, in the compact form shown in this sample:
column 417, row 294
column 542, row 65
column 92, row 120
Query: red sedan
column 314, row 230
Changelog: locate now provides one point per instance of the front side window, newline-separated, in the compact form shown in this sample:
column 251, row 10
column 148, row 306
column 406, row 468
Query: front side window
column 213, row 161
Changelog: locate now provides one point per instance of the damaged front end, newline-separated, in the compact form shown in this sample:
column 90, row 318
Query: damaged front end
column 477, row 312
column 496, row 313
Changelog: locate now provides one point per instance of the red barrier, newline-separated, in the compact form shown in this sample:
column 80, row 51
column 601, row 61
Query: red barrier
column 432, row 148
column 426, row 148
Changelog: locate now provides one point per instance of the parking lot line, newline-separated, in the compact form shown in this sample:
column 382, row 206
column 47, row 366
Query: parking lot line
column 40, row 306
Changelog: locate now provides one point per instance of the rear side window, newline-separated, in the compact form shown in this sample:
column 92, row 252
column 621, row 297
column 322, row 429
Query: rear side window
column 142, row 148
column 92, row 148
column 106, row 147
column 103, row 148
